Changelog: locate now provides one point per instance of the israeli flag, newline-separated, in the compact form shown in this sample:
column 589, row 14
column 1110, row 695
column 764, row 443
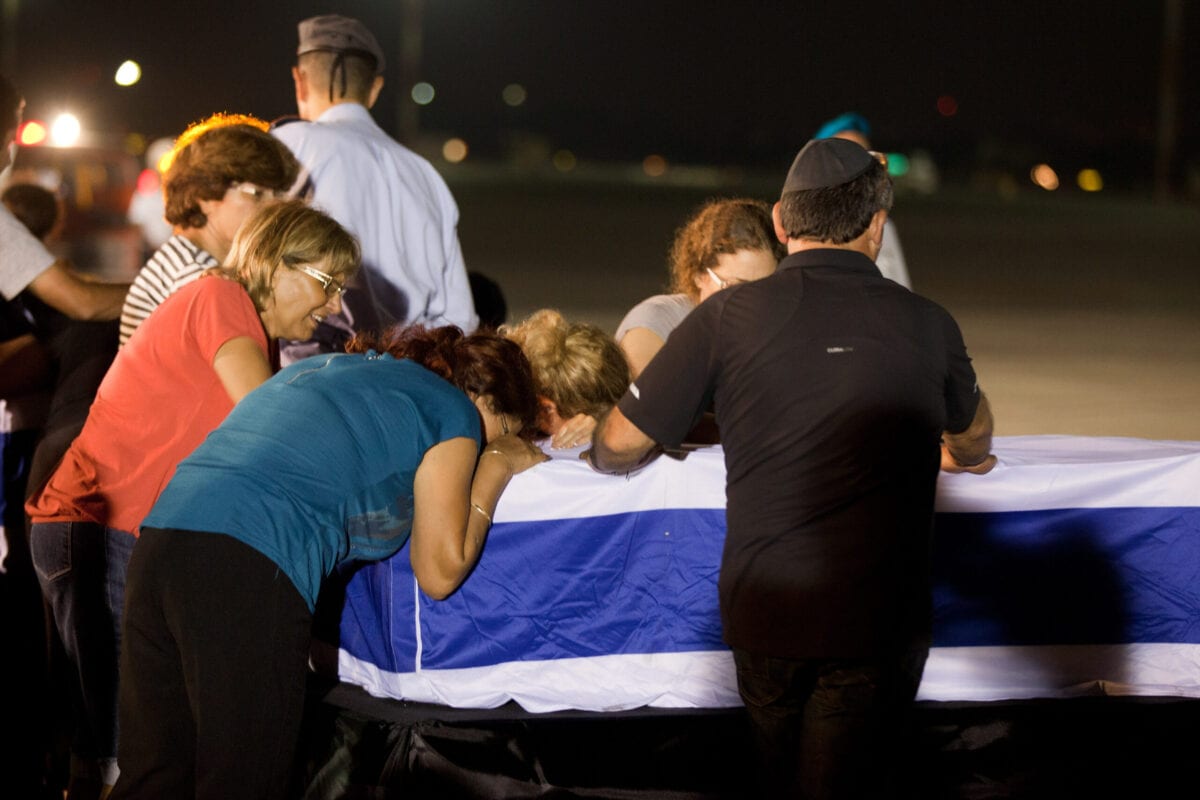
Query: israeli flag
column 1069, row 569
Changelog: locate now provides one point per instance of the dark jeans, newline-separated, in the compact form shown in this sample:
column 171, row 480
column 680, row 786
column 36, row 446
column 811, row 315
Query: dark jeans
column 828, row 728
column 213, row 670
column 81, row 567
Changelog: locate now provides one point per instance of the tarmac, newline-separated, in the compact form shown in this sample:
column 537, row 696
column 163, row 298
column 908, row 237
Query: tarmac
column 1081, row 311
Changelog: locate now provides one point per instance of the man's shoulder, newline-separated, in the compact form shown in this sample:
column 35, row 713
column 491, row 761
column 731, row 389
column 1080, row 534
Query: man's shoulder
column 345, row 136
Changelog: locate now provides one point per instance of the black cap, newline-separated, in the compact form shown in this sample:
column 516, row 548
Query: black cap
column 826, row 162
column 338, row 34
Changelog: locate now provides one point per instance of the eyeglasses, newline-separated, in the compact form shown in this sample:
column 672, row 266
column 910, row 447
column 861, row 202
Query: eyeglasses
column 330, row 284
column 256, row 193
column 722, row 283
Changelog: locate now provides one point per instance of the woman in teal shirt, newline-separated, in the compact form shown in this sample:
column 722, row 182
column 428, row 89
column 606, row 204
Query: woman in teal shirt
column 338, row 457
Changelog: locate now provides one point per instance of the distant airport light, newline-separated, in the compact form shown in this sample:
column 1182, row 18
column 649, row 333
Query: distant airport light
column 897, row 164
column 454, row 150
column 654, row 166
column 1044, row 176
column 1089, row 180
column 947, row 106
column 65, row 130
column 422, row 93
column 32, row 133
column 129, row 73
column 514, row 94
column 564, row 160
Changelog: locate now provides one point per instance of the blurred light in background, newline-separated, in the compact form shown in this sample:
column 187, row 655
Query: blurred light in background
column 422, row 93
column 129, row 73
column 454, row 150
column 947, row 106
column 65, row 130
column 32, row 133
column 897, row 164
column 514, row 94
column 1044, row 176
column 654, row 165
column 160, row 157
column 1089, row 180
column 564, row 160
column 135, row 144
column 148, row 181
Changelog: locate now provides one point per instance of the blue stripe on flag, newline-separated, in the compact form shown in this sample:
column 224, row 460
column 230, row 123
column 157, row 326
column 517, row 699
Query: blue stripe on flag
column 645, row 582
column 1067, row 576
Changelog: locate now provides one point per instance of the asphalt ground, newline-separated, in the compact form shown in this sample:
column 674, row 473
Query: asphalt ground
column 1081, row 312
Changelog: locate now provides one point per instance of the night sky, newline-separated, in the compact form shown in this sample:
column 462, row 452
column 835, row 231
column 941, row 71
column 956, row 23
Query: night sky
column 724, row 83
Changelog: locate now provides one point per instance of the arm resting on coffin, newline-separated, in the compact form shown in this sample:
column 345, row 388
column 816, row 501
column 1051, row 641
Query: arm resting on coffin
column 619, row 446
column 971, row 450
column 455, row 492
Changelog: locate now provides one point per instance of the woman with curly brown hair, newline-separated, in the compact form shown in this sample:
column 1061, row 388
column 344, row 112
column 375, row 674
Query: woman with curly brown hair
column 337, row 457
column 726, row 242
column 218, row 174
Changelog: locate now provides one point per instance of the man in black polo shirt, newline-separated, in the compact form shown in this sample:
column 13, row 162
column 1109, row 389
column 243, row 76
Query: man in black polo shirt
column 838, row 394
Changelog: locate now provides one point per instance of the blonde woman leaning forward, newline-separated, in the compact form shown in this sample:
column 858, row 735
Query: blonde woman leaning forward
column 578, row 370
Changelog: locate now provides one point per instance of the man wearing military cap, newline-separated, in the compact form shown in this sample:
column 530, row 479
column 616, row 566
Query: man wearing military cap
column 390, row 198
column 838, row 394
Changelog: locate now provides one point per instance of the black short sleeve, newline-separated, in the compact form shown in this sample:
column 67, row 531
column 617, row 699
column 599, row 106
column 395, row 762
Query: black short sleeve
column 677, row 385
column 962, row 388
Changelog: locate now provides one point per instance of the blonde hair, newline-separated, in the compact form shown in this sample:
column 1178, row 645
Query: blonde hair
column 577, row 366
column 288, row 233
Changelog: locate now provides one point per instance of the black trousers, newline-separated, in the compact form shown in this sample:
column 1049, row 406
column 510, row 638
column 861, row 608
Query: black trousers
column 828, row 728
column 213, row 666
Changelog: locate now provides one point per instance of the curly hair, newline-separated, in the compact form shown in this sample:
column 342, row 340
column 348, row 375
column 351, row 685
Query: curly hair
column 216, row 153
column 719, row 226
column 483, row 364
column 577, row 366
column 288, row 233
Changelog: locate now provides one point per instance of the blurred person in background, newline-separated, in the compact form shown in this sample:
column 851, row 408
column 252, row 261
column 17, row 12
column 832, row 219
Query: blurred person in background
column 25, row 263
column 77, row 354
column 579, row 373
column 726, row 242
column 220, row 171
column 392, row 199
column 205, row 348
column 409, row 437
column 854, row 128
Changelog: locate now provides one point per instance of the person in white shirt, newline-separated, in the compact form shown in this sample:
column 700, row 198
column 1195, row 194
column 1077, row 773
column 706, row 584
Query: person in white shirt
column 390, row 198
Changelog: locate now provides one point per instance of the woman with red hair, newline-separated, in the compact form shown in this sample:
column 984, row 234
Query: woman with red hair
column 338, row 457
